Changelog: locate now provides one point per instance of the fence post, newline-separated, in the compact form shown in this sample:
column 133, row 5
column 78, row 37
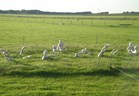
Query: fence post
column 43, row 20
column 52, row 21
column 28, row 19
column 81, row 22
column 133, row 22
column 91, row 22
column 118, row 23
column 104, row 23
column 71, row 22
column 96, row 39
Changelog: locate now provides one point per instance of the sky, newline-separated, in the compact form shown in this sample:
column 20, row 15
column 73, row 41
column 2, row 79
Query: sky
column 95, row 6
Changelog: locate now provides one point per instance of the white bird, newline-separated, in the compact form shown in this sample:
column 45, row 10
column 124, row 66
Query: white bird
column 84, row 51
column 44, row 55
column 54, row 48
column 60, row 46
column 22, row 49
column 29, row 56
column 77, row 55
column 7, row 56
column 103, row 50
column 105, row 47
column 45, row 52
column 134, row 51
column 100, row 54
column 2, row 50
column 130, row 47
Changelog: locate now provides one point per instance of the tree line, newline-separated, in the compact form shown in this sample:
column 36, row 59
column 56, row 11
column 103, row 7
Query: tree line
column 23, row 11
column 42, row 12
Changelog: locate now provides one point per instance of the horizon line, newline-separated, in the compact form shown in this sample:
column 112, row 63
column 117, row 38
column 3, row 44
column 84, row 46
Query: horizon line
column 67, row 11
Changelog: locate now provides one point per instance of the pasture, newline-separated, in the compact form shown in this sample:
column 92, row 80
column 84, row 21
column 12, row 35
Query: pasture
column 63, row 74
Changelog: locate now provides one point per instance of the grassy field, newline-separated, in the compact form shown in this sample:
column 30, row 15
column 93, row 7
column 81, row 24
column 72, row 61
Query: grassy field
column 63, row 74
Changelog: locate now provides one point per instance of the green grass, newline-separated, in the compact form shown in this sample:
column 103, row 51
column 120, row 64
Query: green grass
column 62, row 74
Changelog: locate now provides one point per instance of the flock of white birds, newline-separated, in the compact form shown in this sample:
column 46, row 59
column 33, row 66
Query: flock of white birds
column 131, row 49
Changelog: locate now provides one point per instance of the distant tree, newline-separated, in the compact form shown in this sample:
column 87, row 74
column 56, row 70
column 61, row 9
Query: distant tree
column 103, row 13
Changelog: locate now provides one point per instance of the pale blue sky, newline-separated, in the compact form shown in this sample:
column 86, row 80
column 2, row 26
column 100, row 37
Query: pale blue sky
column 113, row 6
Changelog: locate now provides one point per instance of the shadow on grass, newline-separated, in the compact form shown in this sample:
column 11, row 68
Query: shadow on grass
column 130, row 70
column 52, row 74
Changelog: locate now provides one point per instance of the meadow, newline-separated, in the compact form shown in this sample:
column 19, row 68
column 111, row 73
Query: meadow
column 63, row 74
